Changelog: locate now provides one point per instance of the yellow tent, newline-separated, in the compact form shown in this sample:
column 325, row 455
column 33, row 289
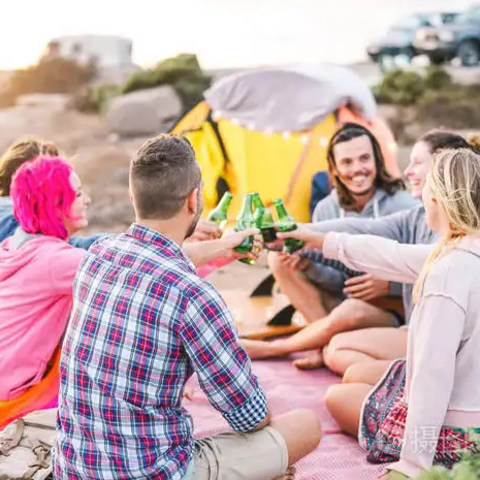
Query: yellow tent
column 267, row 131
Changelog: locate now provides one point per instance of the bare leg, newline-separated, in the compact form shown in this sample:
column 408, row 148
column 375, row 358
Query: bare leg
column 366, row 372
column 301, row 431
column 344, row 402
column 305, row 297
column 349, row 348
column 349, row 315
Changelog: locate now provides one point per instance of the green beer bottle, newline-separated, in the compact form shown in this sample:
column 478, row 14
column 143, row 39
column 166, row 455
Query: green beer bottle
column 245, row 220
column 264, row 220
column 219, row 213
column 286, row 223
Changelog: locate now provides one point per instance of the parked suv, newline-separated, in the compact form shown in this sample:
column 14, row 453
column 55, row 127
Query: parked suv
column 460, row 38
column 399, row 40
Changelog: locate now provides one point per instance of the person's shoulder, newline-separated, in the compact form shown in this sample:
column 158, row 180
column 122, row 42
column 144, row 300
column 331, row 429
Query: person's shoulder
column 405, row 195
column 327, row 208
column 48, row 243
column 414, row 214
column 454, row 274
column 401, row 200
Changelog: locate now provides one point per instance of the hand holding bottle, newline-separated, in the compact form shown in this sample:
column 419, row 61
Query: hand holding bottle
column 205, row 230
column 303, row 233
column 232, row 239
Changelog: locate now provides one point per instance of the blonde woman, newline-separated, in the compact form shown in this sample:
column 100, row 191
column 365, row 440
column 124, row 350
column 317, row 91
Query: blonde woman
column 419, row 412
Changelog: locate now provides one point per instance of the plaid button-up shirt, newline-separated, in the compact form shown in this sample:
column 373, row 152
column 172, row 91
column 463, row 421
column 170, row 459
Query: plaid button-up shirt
column 142, row 323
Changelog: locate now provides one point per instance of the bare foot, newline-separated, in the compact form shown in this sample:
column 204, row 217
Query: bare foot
column 288, row 475
column 262, row 349
column 310, row 362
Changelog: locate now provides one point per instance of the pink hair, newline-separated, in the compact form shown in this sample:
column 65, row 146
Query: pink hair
column 42, row 196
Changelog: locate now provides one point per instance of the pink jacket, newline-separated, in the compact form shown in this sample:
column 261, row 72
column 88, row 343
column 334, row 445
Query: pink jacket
column 36, row 278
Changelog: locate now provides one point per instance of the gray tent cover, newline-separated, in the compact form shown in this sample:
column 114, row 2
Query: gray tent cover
column 289, row 98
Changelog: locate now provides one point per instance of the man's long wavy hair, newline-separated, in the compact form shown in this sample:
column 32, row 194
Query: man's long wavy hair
column 383, row 178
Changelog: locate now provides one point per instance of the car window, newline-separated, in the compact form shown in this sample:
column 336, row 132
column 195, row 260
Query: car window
column 412, row 22
column 447, row 18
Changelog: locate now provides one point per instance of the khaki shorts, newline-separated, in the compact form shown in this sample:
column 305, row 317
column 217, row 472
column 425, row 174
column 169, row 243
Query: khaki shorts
column 260, row 455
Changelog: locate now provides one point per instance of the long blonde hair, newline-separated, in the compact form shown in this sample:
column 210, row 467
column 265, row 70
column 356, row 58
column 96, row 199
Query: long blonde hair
column 454, row 180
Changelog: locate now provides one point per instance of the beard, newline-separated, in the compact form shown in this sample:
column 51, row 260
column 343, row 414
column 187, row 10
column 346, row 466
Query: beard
column 198, row 214
column 192, row 226
column 363, row 192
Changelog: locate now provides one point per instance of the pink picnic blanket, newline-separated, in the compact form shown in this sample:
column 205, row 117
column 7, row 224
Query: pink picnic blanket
column 338, row 457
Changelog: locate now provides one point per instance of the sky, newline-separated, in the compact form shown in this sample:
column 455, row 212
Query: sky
column 223, row 33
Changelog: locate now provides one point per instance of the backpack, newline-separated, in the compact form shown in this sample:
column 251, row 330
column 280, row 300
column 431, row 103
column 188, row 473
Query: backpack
column 321, row 188
column 25, row 447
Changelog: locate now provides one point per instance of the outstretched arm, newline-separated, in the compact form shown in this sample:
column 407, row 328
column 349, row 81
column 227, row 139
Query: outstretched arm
column 379, row 256
column 209, row 250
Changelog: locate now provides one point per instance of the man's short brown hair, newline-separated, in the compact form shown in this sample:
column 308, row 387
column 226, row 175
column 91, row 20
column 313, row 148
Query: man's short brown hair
column 163, row 173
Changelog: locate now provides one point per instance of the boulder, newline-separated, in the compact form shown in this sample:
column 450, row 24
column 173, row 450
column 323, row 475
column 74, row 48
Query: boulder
column 144, row 112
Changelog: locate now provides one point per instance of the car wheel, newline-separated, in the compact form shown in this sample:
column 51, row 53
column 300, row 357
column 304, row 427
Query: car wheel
column 469, row 54
column 437, row 59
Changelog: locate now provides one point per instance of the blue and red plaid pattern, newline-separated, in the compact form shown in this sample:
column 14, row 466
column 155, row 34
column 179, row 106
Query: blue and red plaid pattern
column 142, row 323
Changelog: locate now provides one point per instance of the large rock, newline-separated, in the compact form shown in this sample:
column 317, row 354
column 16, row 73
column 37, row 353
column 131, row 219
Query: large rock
column 144, row 112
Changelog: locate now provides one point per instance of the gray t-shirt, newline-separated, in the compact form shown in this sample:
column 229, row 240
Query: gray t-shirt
column 331, row 275
column 408, row 226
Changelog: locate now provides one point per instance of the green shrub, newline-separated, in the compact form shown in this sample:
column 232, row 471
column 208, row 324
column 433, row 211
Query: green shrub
column 436, row 99
column 437, row 78
column 57, row 75
column 101, row 95
column 467, row 469
column 400, row 87
column 455, row 107
column 140, row 80
column 182, row 72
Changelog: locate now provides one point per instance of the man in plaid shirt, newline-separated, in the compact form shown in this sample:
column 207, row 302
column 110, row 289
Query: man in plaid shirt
column 142, row 323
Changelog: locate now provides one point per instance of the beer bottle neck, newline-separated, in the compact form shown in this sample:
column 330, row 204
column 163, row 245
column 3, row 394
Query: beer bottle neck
column 246, row 206
column 282, row 212
column 257, row 202
column 224, row 203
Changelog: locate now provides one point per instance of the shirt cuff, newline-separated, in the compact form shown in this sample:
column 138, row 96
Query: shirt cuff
column 331, row 245
column 249, row 414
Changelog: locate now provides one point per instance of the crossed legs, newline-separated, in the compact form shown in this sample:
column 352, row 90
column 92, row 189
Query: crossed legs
column 349, row 348
column 351, row 314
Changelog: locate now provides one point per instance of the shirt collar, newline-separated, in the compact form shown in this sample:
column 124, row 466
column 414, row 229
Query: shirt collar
column 151, row 237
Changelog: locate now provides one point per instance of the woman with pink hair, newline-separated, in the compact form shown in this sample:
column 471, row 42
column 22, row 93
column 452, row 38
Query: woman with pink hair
column 37, row 269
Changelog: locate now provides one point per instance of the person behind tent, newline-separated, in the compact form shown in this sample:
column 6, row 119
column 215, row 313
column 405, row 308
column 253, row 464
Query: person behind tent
column 362, row 189
column 422, row 409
